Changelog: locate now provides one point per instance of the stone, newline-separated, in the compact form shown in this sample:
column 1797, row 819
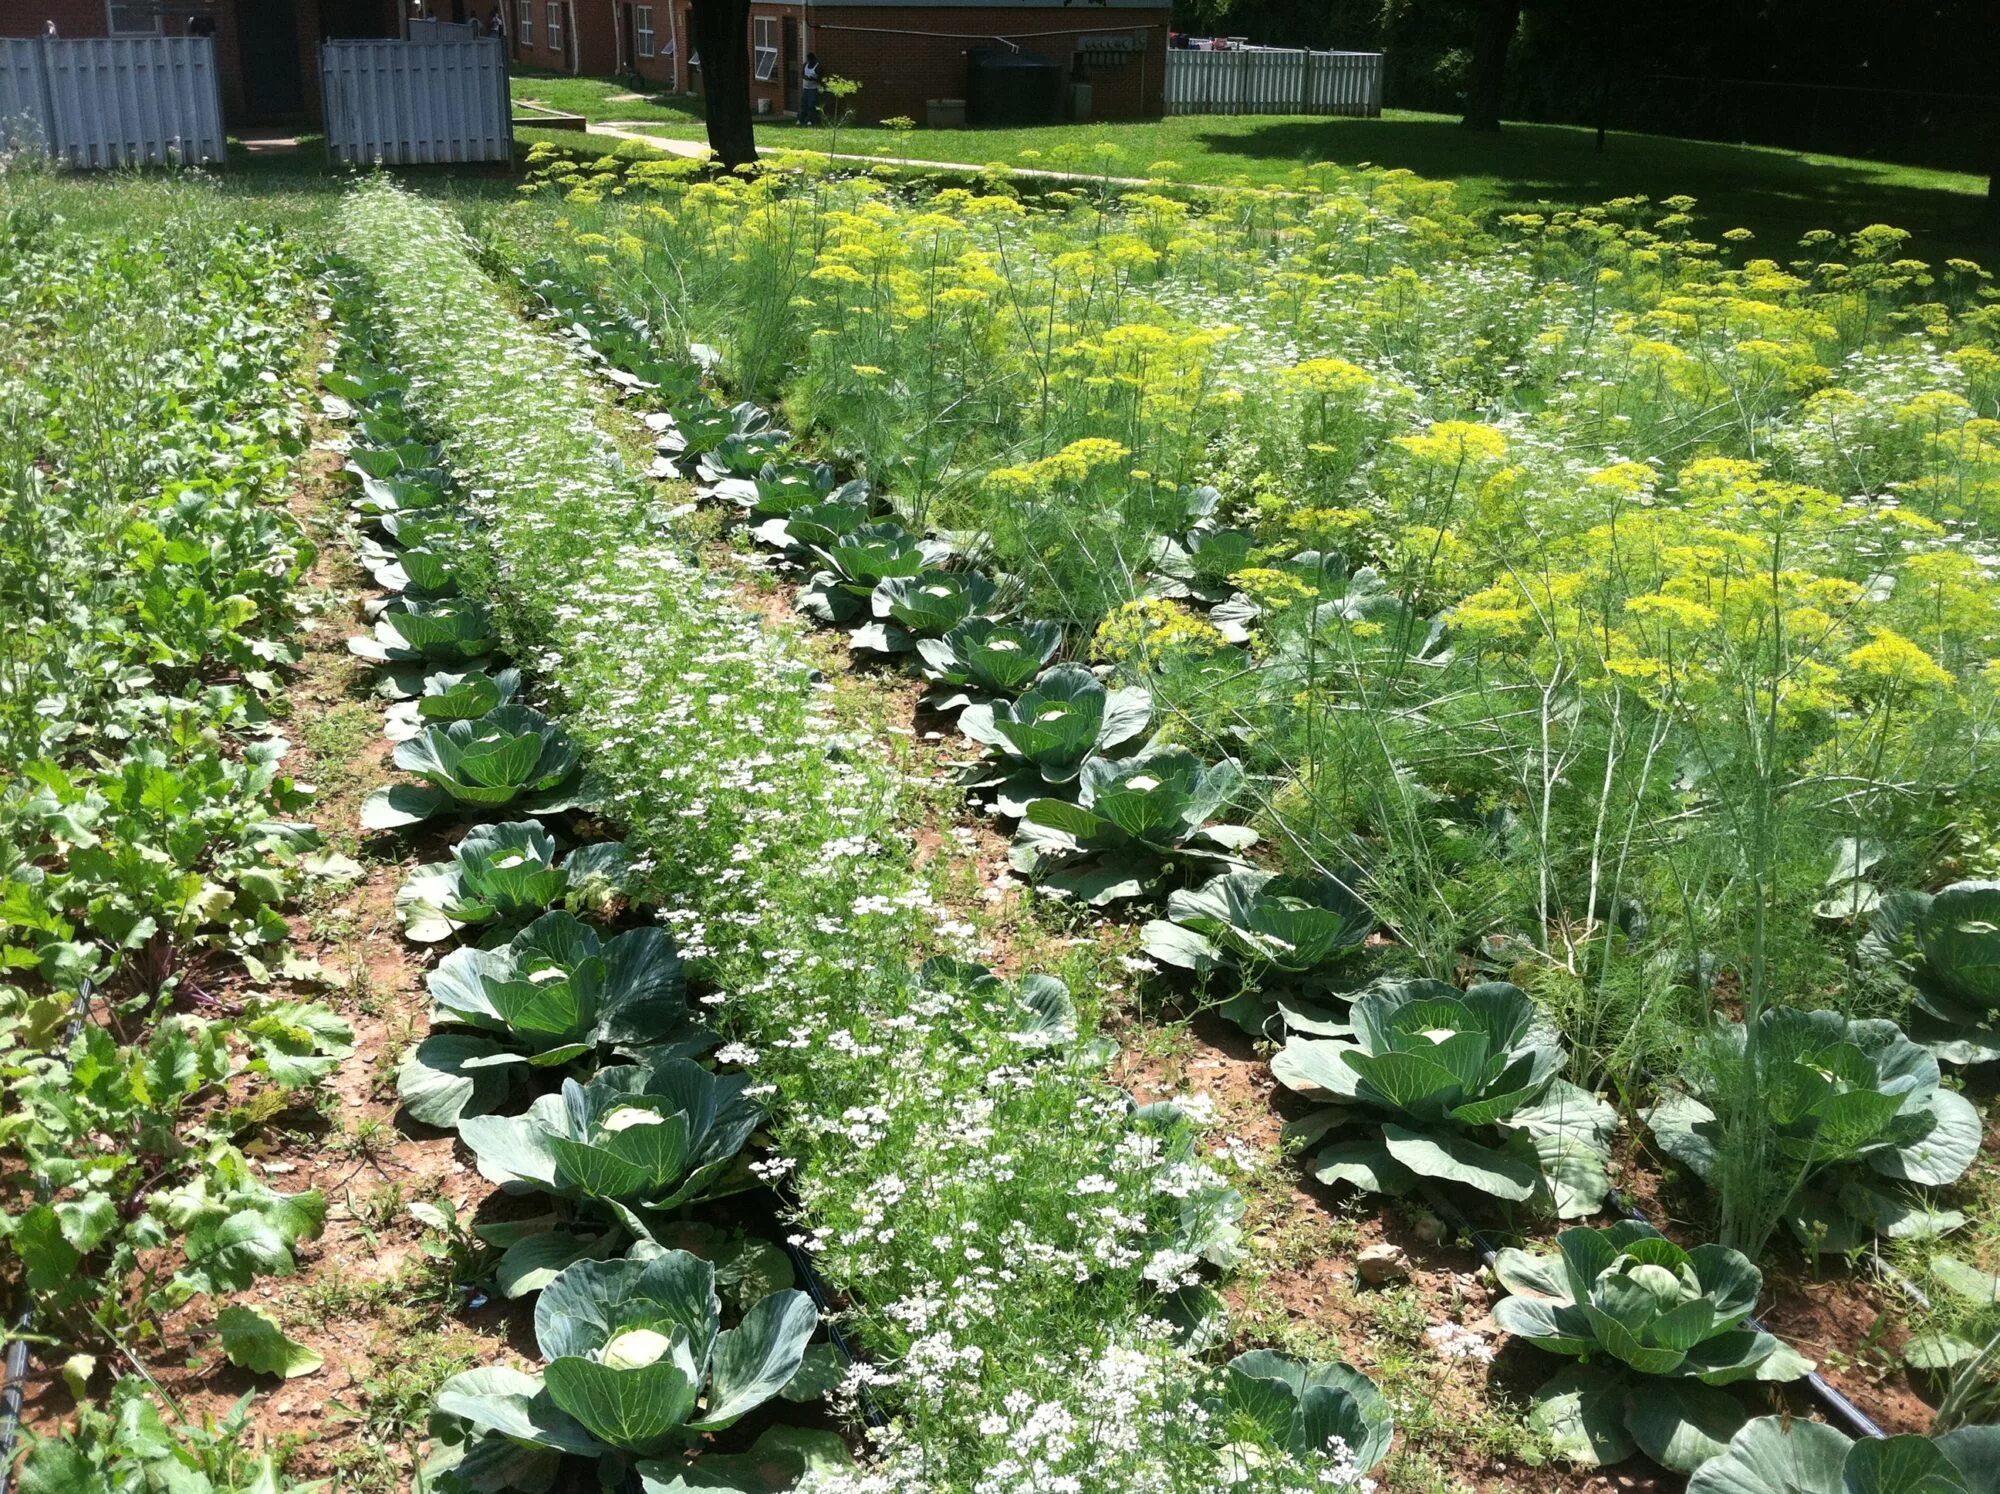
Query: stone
column 1379, row 1265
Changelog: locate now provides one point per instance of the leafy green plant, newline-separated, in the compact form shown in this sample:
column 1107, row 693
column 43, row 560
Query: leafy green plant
column 501, row 874
column 1788, row 1455
column 1046, row 736
column 1310, row 1410
column 1259, row 922
column 983, row 657
column 861, row 560
column 638, row 1371
column 1947, row 944
column 638, row 1139
column 449, row 630
column 1844, row 1110
column 462, row 695
column 927, row 605
column 555, row 994
column 1134, row 820
column 1657, row 1330
column 1458, row 1087
column 130, row 1448
column 1975, row 1295
column 513, row 757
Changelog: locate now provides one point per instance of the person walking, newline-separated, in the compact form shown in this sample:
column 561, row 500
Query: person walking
column 809, row 90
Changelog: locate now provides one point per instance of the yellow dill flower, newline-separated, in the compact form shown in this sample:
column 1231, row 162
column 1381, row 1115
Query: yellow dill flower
column 1451, row 441
column 1890, row 661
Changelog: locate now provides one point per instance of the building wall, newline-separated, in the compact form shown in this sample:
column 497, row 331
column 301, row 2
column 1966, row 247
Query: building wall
column 587, row 44
column 905, row 55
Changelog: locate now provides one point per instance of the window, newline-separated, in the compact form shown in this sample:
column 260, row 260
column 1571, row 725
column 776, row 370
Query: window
column 134, row 17
column 524, row 22
column 643, row 24
column 764, row 41
column 555, row 26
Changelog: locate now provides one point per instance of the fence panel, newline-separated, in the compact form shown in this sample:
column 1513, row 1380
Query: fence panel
column 408, row 102
column 113, row 101
column 24, row 97
column 442, row 31
column 1273, row 80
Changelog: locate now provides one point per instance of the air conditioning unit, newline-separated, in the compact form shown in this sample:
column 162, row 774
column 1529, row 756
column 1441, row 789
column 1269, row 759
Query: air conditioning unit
column 763, row 106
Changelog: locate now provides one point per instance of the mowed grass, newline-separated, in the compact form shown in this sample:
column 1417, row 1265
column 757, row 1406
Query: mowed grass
column 1778, row 194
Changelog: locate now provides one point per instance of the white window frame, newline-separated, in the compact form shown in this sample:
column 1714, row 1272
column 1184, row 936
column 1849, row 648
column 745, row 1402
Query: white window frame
column 524, row 22
column 111, row 27
column 555, row 19
column 764, row 53
column 642, row 29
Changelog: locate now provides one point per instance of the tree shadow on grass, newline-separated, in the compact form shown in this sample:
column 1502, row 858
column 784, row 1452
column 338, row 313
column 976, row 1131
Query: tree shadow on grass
column 1777, row 194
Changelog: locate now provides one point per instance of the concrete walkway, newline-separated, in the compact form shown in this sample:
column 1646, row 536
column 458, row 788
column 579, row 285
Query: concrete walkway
column 696, row 149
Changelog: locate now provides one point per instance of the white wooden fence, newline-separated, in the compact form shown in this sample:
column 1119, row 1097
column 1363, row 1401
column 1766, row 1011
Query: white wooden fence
column 112, row 101
column 404, row 102
column 1271, row 80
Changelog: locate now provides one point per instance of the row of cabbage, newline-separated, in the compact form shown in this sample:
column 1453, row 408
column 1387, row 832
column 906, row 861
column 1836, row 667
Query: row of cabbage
column 1442, row 1086
column 151, row 586
column 643, row 1136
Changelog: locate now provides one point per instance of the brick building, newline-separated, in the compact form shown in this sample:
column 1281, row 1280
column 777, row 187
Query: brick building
column 266, row 50
column 903, row 53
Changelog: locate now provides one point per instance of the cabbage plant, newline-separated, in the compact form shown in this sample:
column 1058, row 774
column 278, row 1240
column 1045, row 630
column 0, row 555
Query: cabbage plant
column 1947, row 944
column 1259, row 921
column 501, row 874
column 1269, row 929
column 1277, row 1400
column 1133, row 819
column 1047, row 735
column 778, row 487
column 513, row 757
column 449, row 630
column 554, row 994
column 1453, row 1086
column 927, row 605
column 1658, row 1331
column 638, row 1137
column 636, row 1367
column 1789, row 1455
column 1849, row 1106
column 1201, row 562
column 981, row 658
column 448, row 695
column 861, row 560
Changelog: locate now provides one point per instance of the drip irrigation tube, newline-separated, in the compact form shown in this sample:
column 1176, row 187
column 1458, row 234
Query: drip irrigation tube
column 823, row 1300
column 16, row 1389
column 1857, row 1421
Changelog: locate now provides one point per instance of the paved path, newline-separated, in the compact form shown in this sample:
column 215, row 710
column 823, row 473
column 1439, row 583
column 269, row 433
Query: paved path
column 695, row 149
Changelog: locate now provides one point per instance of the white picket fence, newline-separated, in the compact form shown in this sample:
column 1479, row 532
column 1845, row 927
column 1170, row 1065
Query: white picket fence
column 1273, row 80
column 406, row 102
column 112, row 101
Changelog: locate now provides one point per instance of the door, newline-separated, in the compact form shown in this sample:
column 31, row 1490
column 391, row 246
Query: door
column 628, row 40
column 792, row 63
column 267, row 40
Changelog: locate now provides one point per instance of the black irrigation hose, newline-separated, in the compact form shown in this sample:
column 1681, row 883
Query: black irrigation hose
column 823, row 1300
column 16, row 1389
column 1857, row 1420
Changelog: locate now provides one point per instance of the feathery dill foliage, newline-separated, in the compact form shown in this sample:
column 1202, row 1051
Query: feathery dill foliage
column 992, row 1207
column 1614, row 601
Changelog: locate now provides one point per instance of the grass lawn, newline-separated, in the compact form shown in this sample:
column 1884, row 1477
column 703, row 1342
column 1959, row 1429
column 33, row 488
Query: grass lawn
column 1777, row 193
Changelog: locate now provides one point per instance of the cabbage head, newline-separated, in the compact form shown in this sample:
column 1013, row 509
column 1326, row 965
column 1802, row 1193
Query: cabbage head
column 1789, row 1455
column 1947, row 945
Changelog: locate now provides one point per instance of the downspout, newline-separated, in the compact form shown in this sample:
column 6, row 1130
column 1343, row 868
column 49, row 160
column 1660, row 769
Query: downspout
column 617, row 39
column 575, row 42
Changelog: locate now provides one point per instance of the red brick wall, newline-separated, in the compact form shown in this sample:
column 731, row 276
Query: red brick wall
column 898, row 71
column 589, row 45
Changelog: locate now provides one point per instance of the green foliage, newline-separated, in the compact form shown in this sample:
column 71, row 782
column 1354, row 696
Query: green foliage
column 1947, row 943
column 1783, row 1455
column 502, row 874
column 511, row 758
column 1811, row 1119
column 1460, row 1087
column 637, row 1364
column 130, row 1448
column 1673, row 1319
column 555, row 996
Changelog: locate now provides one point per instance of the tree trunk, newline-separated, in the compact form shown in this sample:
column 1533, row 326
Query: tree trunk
column 722, row 37
column 1494, row 30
